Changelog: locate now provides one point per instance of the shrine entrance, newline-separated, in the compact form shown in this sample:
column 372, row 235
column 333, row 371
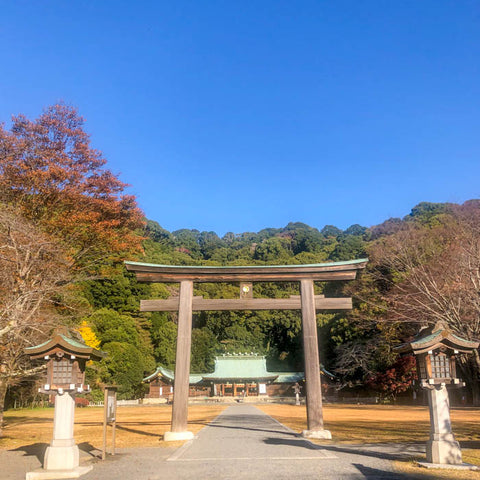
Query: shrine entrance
column 186, row 303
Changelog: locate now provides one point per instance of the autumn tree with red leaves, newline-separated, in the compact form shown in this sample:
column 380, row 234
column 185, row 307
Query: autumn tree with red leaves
column 397, row 378
column 49, row 171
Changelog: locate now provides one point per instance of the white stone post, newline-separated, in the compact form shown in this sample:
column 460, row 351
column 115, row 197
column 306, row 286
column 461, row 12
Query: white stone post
column 62, row 456
column 442, row 447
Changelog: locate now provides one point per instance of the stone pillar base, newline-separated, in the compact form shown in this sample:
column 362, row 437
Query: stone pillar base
column 61, row 457
column 176, row 436
column 444, row 451
column 322, row 434
column 42, row 474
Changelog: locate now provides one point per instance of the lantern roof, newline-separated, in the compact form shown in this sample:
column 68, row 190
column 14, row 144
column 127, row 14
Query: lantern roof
column 434, row 337
column 62, row 342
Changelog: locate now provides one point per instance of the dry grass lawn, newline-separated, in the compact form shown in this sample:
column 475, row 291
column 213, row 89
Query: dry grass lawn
column 141, row 426
column 383, row 423
column 377, row 423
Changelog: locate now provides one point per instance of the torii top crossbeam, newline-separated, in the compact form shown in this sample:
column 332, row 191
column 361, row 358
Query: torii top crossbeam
column 149, row 272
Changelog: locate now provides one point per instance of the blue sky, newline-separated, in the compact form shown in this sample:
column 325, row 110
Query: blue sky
column 235, row 116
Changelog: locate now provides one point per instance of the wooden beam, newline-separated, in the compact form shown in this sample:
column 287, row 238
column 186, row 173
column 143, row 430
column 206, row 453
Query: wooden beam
column 147, row 272
column 312, row 362
column 206, row 304
column 182, row 359
column 154, row 277
column 299, row 296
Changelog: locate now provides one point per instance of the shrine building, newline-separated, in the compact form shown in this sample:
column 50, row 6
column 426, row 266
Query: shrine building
column 235, row 375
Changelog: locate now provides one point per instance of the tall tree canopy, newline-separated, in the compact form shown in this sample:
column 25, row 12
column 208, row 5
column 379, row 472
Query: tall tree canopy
column 49, row 171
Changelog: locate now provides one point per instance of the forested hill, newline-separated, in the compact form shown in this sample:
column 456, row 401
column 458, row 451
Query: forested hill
column 356, row 345
column 297, row 243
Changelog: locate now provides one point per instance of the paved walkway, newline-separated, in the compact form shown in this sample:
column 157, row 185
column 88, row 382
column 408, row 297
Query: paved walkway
column 242, row 443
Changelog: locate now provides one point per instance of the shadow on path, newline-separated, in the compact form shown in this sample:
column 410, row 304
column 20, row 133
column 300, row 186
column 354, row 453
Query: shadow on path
column 293, row 443
column 249, row 422
column 376, row 474
column 382, row 451
column 470, row 444
column 89, row 449
column 33, row 450
column 38, row 450
column 385, row 452
column 140, row 432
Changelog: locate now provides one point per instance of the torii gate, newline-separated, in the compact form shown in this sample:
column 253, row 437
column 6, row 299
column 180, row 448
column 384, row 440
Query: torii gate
column 307, row 302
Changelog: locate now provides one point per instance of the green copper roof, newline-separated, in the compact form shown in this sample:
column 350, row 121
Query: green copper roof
column 290, row 377
column 170, row 375
column 328, row 264
column 40, row 345
column 241, row 367
column 471, row 343
column 238, row 367
column 427, row 338
column 434, row 336
column 66, row 339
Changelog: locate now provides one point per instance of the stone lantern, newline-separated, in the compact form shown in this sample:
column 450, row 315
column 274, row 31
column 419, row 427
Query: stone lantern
column 436, row 349
column 66, row 359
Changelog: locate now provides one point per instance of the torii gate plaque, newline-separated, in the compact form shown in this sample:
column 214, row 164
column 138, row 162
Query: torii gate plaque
column 186, row 303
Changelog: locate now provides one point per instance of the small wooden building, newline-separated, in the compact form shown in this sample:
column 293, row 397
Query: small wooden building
column 161, row 384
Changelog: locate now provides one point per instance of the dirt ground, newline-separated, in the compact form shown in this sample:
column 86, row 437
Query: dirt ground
column 378, row 423
column 137, row 426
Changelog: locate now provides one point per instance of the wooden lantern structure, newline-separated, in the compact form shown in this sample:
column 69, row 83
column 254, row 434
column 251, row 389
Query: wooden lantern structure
column 435, row 349
column 66, row 360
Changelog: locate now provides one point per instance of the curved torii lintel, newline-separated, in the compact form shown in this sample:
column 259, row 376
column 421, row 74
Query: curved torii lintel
column 150, row 272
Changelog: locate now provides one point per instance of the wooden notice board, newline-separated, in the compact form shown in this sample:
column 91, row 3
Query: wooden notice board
column 109, row 417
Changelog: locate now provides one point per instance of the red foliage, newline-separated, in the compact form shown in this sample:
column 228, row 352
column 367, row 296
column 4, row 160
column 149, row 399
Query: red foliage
column 51, row 173
column 396, row 379
column 81, row 402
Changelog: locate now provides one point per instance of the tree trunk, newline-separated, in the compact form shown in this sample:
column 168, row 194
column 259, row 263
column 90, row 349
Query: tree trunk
column 475, row 382
column 469, row 368
column 3, row 394
column 475, row 389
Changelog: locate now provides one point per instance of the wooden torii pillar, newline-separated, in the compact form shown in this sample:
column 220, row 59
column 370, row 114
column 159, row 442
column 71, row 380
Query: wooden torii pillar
column 186, row 303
